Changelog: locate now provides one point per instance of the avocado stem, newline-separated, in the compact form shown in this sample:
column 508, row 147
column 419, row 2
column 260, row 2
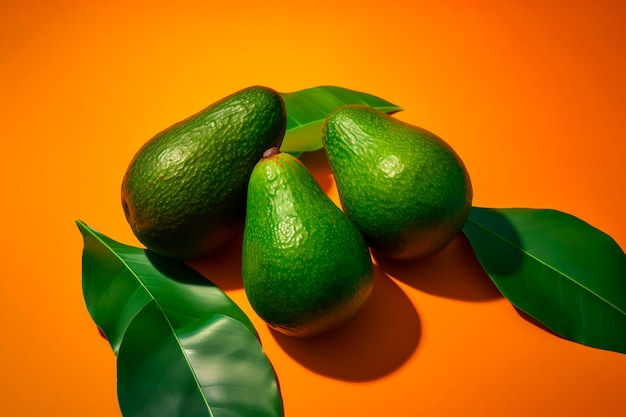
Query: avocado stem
column 271, row 152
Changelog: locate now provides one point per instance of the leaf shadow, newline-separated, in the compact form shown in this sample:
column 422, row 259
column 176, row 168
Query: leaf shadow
column 377, row 341
column 530, row 319
column 454, row 272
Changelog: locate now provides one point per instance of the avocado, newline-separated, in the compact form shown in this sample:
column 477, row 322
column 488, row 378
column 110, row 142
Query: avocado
column 306, row 268
column 184, row 192
column 408, row 192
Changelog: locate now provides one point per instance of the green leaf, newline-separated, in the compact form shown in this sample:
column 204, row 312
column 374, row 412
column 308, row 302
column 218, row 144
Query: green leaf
column 184, row 348
column 306, row 110
column 558, row 269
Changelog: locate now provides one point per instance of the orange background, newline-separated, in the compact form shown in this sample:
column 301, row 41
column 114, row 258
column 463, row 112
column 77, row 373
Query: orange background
column 530, row 94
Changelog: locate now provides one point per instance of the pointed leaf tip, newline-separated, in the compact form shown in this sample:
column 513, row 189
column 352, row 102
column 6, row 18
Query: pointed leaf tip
column 80, row 224
column 306, row 110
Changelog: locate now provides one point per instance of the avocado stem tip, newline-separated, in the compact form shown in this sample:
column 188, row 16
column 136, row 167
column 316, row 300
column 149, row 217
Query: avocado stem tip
column 271, row 152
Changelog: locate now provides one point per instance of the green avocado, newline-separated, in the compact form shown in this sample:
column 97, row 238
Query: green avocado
column 184, row 192
column 306, row 268
column 405, row 188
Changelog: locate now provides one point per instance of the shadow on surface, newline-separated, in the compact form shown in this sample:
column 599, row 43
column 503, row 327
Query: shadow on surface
column 530, row 319
column 377, row 341
column 453, row 272
column 495, row 241
column 223, row 268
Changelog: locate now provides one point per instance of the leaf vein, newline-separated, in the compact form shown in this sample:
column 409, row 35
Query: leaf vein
column 161, row 309
column 532, row 256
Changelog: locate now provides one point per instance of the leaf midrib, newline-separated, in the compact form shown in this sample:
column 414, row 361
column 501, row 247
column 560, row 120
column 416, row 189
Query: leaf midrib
column 546, row 265
column 169, row 323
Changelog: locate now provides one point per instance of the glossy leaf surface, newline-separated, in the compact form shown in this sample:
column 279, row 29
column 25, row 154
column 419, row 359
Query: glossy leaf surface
column 306, row 110
column 560, row 270
column 183, row 347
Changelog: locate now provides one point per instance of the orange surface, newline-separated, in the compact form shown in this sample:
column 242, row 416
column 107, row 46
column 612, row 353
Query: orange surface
column 531, row 95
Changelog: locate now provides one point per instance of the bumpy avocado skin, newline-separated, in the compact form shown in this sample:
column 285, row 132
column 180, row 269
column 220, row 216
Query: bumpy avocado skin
column 306, row 268
column 184, row 192
column 405, row 188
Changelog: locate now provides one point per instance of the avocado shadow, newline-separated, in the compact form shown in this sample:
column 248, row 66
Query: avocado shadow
column 223, row 267
column 317, row 164
column 453, row 272
column 377, row 341
column 496, row 241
